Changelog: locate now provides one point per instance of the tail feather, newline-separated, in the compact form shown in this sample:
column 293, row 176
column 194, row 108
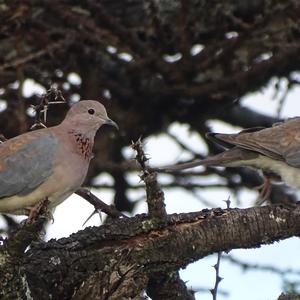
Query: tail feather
column 227, row 158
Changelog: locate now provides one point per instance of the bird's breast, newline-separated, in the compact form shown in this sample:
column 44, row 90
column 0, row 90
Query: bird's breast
column 288, row 174
column 82, row 144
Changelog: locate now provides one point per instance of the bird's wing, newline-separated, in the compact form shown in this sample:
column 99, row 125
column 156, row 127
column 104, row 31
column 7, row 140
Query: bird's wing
column 25, row 162
column 218, row 137
column 281, row 142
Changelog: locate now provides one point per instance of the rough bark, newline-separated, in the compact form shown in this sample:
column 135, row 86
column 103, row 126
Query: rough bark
column 123, row 256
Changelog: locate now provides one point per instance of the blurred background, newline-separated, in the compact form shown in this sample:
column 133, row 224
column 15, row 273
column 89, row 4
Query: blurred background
column 168, row 72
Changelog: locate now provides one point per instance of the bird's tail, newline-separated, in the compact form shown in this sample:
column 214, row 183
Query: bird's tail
column 229, row 158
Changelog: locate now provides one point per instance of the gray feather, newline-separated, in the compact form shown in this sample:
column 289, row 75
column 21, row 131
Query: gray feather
column 28, row 167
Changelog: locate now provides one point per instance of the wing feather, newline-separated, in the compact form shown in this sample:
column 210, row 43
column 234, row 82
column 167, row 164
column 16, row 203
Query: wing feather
column 26, row 162
column 281, row 142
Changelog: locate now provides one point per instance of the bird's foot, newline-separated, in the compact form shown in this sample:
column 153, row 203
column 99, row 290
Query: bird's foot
column 39, row 210
column 264, row 190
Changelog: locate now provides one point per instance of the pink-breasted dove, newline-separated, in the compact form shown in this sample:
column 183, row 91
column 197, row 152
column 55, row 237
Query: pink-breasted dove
column 49, row 163
column 275, row 149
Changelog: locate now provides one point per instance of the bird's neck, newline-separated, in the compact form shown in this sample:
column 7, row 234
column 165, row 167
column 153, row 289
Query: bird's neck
column 83, row 142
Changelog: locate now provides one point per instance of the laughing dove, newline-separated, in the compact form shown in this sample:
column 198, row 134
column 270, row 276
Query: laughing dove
column 275, row 149
column 49, row 163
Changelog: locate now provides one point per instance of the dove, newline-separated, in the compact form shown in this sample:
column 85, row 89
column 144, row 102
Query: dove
column 275, row 149
column 49, row 163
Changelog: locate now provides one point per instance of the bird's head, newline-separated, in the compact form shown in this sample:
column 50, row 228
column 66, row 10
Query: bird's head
column 89, row 115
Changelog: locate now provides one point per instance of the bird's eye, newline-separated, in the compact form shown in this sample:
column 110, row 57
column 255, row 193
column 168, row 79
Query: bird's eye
column 91, row 111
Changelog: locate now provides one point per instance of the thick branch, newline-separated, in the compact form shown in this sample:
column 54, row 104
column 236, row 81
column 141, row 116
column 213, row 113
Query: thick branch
column 141, row 247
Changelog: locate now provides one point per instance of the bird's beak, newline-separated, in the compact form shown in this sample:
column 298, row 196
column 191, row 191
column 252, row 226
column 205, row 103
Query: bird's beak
column 111, row 123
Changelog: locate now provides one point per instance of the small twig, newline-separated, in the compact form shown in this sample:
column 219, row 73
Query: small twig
column 31, row 56
column 246, row 266
column 174, row 184
column 214, row 291
column 140, row 155
column 185, row 147
column 52, row 96
column 282, row 99
column 99, row 205
column 155, row 195
column 228, row 202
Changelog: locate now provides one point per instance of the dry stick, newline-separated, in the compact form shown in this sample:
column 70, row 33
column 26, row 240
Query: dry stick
column 52, row 96
column 245, row 266
column 214, row 291
column 155, row 195
column 31, row 56
column 170, row 185
column 99, row 205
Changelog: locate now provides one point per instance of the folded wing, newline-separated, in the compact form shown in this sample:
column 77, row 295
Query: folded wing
column 26, row 162
column 281, row 142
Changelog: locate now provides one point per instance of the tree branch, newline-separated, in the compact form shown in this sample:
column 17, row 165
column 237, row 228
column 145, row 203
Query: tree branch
column 144, row 247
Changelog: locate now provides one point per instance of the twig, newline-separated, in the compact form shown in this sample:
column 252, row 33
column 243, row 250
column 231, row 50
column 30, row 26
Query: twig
column 246, row 266
column 31, row 56
column 155, row 195
column 140, row 155
column 174, row 184
column 99, row 205
column 185, row 147
column 228, row 202
column 214, row 291
column 52, row 96
column 283, row 98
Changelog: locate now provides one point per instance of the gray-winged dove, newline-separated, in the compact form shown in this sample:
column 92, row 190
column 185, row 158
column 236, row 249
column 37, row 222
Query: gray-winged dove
column 49, row 163
column 275, row 149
